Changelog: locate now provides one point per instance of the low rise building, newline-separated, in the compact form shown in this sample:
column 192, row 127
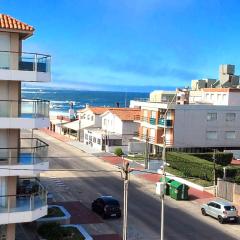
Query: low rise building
column 117, row 128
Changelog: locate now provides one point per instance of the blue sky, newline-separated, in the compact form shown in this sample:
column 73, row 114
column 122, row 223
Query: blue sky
column 131, row 45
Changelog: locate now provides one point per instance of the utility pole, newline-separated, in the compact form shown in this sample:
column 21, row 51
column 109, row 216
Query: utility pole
column 214, row 171
column 79, row 128
column 146, row 150
column 126, row 172
column 164, row 178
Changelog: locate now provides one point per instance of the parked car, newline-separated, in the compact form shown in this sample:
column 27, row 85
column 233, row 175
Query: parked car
column 107, row 206
column 220, row 209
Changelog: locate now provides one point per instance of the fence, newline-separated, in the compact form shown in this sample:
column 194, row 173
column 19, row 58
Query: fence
column 228, row 190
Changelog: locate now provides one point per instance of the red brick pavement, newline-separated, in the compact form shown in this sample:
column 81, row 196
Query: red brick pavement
column 107, row 237
column 235, row 162
column 55, row 135
column 112, row 159
column 79, row 213
column 150, row 177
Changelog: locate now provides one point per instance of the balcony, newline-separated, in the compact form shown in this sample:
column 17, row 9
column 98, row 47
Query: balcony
column 26, row 114
column 24, row 207
column 23, row 66
column 153, row 121
column 165, row 123
column 144, row 137
column 27, row 160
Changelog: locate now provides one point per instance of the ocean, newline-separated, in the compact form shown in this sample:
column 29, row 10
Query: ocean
column 61, row 99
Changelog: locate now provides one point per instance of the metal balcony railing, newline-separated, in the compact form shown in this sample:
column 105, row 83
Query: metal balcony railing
column 23, row 202
column 144, row 119
column 153, row 121
column 25, row 61
column 165, row 123
column 26, row 108
column 31, row 151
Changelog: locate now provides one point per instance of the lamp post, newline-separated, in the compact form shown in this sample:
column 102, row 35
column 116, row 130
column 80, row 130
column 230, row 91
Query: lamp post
column 163, row 167
column 126, row 171
column 214, row 172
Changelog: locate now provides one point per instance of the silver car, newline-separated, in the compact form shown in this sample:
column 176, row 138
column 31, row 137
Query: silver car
column 220, row 209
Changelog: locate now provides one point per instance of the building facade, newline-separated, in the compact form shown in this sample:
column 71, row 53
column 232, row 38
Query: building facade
column 209, row 122
column 117, row 128
column 22, row 197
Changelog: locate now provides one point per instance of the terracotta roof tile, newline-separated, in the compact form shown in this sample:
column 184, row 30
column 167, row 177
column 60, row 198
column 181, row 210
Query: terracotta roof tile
column 125, row 114
column 8, row 22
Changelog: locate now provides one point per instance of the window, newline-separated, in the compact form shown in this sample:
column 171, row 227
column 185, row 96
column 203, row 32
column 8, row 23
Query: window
column 218, row 97
column 91, row 118
column 86, row 136
column 94, row 140
column 105, row 122
column 212, row 116
column 211, row 135
column 153, row 114
column 212, row 96
column 98, row 141
column 88, row 117
column 230, row 135
column 230, row 116
column 90, row 138
column 224, row 97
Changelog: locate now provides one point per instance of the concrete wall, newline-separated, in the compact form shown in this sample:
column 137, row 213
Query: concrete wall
column 136, row 147
column 191, row 126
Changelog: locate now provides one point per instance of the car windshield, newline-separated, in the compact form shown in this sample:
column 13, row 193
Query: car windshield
column 229, row 208
column 113, row 203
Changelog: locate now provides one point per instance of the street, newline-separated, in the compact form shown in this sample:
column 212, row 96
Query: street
column 183, row 220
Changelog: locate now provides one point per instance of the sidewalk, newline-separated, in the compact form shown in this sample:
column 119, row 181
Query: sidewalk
column 195, row 195
column 89, row 221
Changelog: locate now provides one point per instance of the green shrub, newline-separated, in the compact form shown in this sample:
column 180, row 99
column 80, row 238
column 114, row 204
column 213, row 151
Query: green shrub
column 233, row 172
column 222, row 158
column 192, row 166
column 50, row 231
column 118, row 152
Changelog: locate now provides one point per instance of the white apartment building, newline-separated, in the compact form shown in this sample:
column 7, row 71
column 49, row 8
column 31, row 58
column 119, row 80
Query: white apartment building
column 209, row 121
column 21, row 159
column 117, row 128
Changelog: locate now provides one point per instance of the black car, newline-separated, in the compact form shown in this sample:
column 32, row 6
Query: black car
column 107, row 206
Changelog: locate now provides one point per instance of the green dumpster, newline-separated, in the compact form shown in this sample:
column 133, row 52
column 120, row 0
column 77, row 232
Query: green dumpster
column 178, row 191
column 168, row 181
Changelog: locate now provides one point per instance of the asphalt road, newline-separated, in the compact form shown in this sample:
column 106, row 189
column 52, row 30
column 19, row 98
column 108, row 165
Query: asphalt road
column 183, row 220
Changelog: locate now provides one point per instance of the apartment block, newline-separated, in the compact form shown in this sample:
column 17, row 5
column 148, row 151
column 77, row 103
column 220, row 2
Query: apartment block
column 22, row 197
column 211, row 121
column 227, row 79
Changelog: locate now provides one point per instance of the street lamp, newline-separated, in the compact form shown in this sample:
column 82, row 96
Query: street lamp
column 163, row 166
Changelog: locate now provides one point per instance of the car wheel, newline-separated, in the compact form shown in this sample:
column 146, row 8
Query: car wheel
column 104, row 216
column 204, row 212
column 220, row 219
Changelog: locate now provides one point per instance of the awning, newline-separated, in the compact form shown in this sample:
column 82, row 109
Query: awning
column 57, row 121
column 72, row 125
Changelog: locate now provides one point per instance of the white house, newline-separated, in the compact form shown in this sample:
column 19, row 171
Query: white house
column 118, row 127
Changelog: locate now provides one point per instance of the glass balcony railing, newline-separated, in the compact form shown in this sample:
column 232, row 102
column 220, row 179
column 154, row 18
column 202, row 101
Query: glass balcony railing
column 24, row 61
column 165, row 123
column 31, row 151
column 24, row 202
column 153, row 121
column 26, row 108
